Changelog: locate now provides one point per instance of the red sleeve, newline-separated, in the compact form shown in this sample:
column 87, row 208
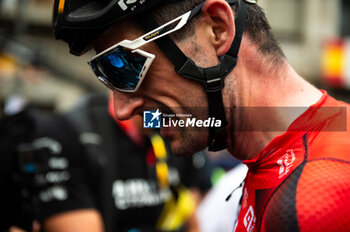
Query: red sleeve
column 315, row 197
column 323, row 196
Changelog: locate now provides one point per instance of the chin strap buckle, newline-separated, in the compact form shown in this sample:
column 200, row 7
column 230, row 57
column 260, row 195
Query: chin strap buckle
column 213, row 81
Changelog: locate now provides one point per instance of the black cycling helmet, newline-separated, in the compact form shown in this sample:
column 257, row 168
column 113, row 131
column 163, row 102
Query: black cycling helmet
column 79, row 22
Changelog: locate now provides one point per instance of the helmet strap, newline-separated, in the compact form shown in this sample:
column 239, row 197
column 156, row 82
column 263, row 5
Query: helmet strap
column 212, row 78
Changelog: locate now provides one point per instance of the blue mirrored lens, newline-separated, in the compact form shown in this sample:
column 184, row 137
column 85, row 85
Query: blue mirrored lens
column 120, row 67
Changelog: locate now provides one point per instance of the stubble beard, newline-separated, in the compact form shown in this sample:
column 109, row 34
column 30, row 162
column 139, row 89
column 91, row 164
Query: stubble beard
column 188, row 142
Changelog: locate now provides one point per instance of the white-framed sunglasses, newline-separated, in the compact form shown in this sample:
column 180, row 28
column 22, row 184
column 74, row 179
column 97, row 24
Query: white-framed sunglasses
column 123, row 66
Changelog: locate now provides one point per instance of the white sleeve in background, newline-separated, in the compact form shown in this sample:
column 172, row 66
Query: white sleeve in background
column 214, row 213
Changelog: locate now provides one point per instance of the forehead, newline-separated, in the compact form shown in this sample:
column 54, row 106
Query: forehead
column 117, row 33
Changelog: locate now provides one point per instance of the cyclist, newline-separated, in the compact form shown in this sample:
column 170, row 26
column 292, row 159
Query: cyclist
column 292, row 136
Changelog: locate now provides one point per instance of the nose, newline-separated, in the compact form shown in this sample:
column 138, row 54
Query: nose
column 126, row 105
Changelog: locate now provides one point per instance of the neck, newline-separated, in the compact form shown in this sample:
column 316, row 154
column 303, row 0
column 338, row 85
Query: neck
column 263, row 104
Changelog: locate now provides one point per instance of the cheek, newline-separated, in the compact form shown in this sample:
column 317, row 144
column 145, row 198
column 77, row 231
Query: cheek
column 160, row 78
column 165, row 85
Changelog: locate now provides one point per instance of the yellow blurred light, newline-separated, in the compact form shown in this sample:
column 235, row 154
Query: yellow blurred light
column 158, row 146
column 7, row 65
column 162, row 173
column 61, row 6
column 333, row 61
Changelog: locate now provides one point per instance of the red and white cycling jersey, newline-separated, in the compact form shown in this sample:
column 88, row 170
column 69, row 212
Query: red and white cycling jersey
column 301, row 180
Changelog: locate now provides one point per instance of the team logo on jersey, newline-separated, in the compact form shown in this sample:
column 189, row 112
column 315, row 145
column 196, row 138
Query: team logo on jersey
column 249, row 219
column 286, row 163
column 137, row 193
column 151, row 119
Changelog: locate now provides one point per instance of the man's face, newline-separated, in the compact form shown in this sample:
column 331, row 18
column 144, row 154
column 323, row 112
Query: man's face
column 162, row 89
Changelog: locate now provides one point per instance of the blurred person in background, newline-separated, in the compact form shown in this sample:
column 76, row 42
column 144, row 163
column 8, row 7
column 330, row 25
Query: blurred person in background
column 17, row 178
column 219, row 209
column 86, row 171
column 143, row 185
column 151, row 53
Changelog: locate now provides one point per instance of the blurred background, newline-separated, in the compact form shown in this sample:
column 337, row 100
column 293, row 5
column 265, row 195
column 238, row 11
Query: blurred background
column 314, row 34
column 32, row 64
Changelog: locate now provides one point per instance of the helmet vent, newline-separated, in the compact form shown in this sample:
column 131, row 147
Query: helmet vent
column 81, row 9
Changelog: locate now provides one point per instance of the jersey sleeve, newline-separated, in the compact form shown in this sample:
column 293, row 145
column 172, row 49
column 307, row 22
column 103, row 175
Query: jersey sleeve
column 315, row 197
column 63, row 182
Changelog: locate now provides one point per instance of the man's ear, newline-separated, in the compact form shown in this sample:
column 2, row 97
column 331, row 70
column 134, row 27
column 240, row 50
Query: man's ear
column 220, row 20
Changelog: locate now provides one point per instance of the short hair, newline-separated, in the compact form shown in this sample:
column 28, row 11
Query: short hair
column 257, row 26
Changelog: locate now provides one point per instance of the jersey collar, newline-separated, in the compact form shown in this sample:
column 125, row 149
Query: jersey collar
column 308, row 120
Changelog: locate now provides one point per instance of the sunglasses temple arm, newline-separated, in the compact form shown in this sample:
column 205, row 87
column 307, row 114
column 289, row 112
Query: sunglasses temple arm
column 158, row 32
